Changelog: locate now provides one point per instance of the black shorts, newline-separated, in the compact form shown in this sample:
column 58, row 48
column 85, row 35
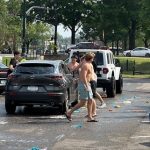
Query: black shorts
column 93, row 86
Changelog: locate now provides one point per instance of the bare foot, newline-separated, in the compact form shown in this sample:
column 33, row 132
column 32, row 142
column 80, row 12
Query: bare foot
column 68, row 116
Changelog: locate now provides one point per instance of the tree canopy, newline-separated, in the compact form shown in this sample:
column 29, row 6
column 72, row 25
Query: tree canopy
column 123, row 22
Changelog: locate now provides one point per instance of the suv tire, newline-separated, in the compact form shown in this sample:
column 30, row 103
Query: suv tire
column 111, row 88
column 119, row 85
column 9, row 107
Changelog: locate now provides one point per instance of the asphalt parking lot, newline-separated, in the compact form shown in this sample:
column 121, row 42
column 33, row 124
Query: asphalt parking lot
column 123, row 124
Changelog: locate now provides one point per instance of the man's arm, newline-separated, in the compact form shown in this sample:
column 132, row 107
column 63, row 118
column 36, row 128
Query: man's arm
column 11, row 65
column 79, row 66
column 84, row 73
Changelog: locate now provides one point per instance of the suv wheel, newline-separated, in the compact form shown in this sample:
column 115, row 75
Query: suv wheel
column 9, row 107
column 119, row 85
column 111, row 88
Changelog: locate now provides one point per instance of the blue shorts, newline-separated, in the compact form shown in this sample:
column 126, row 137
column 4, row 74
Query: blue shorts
column 83, row 93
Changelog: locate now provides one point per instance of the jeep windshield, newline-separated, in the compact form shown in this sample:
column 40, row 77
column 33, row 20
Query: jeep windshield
column 98, row 57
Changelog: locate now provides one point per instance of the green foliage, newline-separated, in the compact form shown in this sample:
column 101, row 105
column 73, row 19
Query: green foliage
column 3, row 25
column 129, row 19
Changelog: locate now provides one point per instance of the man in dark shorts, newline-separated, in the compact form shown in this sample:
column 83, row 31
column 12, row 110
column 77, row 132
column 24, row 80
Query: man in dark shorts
column 13, row 62
column 93, row 83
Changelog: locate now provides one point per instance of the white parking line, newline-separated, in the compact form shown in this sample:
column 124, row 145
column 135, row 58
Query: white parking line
column 3, row 122
column 136, row 137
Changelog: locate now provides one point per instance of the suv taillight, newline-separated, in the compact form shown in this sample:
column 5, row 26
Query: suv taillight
column 105, row 70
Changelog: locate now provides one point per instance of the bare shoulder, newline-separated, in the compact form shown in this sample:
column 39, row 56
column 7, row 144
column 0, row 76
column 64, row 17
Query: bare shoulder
column 84, row 66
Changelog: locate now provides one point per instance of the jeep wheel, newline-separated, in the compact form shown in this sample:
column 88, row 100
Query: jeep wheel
column 9, row 107
column 111, row 88
column 119, row 85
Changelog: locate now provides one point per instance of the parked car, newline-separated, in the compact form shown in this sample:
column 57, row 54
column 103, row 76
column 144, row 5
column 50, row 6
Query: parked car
column 138, row 51
column 40, row 82
column 84, row 45
column 3, row 77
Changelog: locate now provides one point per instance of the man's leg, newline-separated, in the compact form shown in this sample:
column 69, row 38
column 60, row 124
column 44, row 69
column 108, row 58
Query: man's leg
column 89, row 108
column 77, row 106
column 99, row 97
column 93, row 107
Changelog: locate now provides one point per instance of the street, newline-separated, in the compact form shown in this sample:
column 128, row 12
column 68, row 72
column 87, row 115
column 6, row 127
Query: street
column 123, row 124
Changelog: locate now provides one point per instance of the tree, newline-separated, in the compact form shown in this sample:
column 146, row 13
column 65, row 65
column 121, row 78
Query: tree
column 14, row 22
column 37, row 31
column 3, row 25
column 120, row 16
column 73, row 14
column 145, row 22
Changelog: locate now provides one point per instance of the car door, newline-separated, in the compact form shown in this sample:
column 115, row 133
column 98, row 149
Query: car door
column 134, row 52
column 144, row 51
column 137, row 52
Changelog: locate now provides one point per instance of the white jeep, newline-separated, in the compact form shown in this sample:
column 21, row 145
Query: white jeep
column 109, row 75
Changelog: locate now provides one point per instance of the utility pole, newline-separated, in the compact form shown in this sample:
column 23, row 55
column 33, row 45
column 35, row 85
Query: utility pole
column 24, row 27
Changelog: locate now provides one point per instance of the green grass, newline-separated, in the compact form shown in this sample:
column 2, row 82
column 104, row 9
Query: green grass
column 142, row 67
column 6, row 60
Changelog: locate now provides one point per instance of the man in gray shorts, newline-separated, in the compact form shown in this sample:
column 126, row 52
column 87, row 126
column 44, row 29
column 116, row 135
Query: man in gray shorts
column 85, row 92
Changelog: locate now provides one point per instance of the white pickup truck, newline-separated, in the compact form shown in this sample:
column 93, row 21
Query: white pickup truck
column 109, row 75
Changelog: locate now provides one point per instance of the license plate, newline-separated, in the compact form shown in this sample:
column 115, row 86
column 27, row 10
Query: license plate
column 3, row 82
column 32, row 88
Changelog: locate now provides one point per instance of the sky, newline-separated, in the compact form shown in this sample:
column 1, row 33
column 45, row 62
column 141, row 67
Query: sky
column 63, row 32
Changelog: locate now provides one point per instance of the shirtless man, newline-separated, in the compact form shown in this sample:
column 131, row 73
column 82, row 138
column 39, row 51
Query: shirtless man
column 73, row 64
column 85, row 91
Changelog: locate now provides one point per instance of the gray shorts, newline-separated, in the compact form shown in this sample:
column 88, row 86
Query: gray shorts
column 83, row 93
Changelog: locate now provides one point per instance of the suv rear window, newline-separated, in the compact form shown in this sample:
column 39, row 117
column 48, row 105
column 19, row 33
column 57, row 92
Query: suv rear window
column 98, row 57
column 35, row 69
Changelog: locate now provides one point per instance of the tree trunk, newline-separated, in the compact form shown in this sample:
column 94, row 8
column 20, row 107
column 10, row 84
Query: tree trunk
column 117, row 44
column 55, row 40
column 132, row 32
column 145, row 42
column 27, row 44
column 14, row 42
column 73, row 33
column 124, row 44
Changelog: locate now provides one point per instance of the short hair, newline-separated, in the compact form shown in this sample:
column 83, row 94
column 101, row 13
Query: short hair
column 89, row 56
column 16, row 53
column 74, row 56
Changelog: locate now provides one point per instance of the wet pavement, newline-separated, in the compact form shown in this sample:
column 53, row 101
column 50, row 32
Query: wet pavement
column 123, row 124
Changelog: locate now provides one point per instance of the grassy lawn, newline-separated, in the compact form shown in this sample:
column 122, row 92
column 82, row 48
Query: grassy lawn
column 142, row 67
column 6, row 60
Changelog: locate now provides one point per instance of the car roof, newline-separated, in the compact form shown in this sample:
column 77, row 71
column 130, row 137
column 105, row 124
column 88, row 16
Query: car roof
column 55, row 62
